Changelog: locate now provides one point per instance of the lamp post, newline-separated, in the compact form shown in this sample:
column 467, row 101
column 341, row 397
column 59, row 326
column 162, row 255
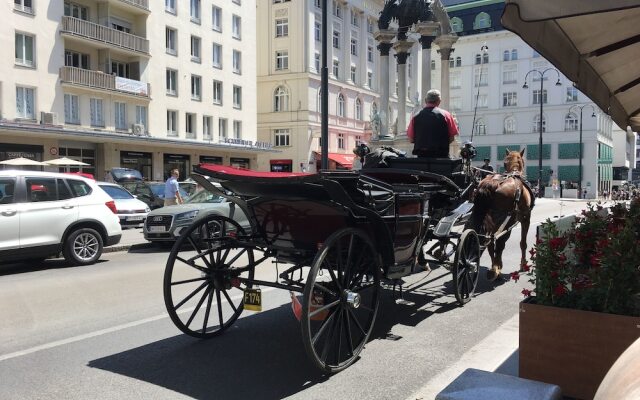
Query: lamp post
column 525, row 86
column 593, row 114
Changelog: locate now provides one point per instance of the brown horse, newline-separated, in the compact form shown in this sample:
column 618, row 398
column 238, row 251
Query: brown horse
column 500, row 201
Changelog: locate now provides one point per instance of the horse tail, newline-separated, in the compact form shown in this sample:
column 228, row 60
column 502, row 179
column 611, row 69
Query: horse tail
column 482, row 204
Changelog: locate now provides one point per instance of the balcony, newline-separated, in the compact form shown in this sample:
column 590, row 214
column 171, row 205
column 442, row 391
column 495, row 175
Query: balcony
column 95, row 32
column 101, row 81
column 139, row 4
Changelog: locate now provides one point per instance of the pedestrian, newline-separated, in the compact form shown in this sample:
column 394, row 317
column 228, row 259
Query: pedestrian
column 107, row 176
column 485, row 169
column 432, row 129
column 172, row 189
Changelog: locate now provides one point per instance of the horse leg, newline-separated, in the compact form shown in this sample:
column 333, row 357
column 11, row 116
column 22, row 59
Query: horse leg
column 524, row 221
column 500, row 244
column 492, row 273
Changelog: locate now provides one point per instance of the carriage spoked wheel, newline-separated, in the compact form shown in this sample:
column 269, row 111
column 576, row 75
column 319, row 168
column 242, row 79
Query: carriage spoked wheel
column 341, row 299
column 204, row 277
column 466, row 266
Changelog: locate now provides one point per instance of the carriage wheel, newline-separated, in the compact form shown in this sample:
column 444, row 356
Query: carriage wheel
column 466, row 266
column 202, row 292
column 341, row 298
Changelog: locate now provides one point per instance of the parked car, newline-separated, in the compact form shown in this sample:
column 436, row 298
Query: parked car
column 165, row 224
column 125, row 175
column 48, row 213
column 190, row 186
column 152, row 193
column 131, row 211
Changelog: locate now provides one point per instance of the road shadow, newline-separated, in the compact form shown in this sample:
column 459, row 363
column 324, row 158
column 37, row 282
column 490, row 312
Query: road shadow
column 51, row 263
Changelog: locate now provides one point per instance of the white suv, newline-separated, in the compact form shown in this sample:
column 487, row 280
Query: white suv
column 46, row 213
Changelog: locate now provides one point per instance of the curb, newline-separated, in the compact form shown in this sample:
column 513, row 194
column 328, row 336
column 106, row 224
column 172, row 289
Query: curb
column 125, row 247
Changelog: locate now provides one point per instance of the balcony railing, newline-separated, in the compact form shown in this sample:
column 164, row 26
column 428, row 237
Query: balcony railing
column 100, row 80
column 144, row 4
column 101, row 33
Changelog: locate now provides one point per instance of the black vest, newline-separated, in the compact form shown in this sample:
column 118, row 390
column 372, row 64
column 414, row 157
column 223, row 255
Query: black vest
column 430, row 133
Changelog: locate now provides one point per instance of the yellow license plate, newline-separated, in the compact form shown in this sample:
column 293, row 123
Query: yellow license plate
column 252, row 299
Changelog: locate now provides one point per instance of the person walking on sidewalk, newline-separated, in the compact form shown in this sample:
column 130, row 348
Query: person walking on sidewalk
column 432, row 129
column 172, row 190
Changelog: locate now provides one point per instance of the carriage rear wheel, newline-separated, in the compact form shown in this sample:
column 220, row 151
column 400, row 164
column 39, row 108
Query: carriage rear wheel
column 466, row 266
column 341, row 299
column 204, row 277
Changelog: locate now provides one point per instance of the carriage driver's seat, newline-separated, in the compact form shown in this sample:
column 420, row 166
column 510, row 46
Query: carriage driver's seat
column 440, row 166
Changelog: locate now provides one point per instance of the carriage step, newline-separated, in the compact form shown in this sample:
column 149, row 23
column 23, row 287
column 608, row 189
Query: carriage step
column 475, row 384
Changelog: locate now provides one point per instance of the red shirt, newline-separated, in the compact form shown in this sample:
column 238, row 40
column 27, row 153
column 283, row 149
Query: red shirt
column 451, row 123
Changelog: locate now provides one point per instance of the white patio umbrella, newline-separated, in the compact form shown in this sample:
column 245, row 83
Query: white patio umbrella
column 22, row 161
column 64, row 161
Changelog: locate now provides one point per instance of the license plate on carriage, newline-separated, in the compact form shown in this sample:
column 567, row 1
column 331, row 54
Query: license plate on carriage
column 252, row 299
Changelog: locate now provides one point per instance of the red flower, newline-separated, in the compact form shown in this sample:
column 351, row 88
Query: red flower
column 526, row 292
column 554, row 274
column 559, row 290
column 562, row 258
column 532, row 252
column 557, row 243
column 526, row 267
column 515, row 276
column 594, row 260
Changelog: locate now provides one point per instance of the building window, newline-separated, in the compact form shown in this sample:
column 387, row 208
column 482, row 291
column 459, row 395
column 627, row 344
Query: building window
column 536, row 96
column 120, row 69
column 482, row 20
column 358, row 141
column 571, row 122
column 318, row 3
column 337, row 9
column 141, row 116
column 478, row 59
column 336, row 39
column 23, row 5
column 480, row 127
column 172, row 82
column 514, row 54
column 319, row 101
column 190, row 125
column 359, row 109
column 353, row 74
column 236, row 27
column 572, row 94
column 222, row 128
column 536, row 124
column 75, row 59
column 341, row 141
column 76, row 11
column 433, row 65
column 341, row 106
column 509, row 73
column 509, row 99
column 458, row 61
column 370, row 79
column 369, row 26
column 170, row 6
column 336, row 69
column 195, row 48
column 452, row 62
column 509, row 125
column 281, row 99
column 370, row 53
column 282, row 27
column 355, row 18
column 237, row 97
column 196, row 87
column 354, row 46
column 456, row 24
column 481, row 76
column 217, row 55
column 317, row 31
column 195, row 11
column 207, row 127
column 316, row 60
column 120, row 115
column 483, row 101
column 281, row 137
column 455, row 80
column 237, row 129
column 506, row 55
column 172, row 123
column 24, row 49
column 216, row 18
column 237, row 62
column 170, row 39
column 97, row 112
column 25, row 103
column 217, row 92
column 282, row 60
column 455, row 103
column 71, row 109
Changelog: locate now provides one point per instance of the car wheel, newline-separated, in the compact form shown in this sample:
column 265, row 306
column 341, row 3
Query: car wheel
column 83, row 247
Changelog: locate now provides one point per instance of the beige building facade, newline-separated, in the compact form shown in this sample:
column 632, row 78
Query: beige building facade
column 150, row 85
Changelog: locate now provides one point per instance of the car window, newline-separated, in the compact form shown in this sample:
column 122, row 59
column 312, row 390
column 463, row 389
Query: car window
column 143, row 190
column 158, row 190
column 79, row 188
column 63, row 191
column 116, row 193
column 41, row 189
column 204, row 196
column 7, row 186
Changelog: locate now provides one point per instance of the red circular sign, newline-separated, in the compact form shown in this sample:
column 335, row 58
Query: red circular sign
column 53, row 151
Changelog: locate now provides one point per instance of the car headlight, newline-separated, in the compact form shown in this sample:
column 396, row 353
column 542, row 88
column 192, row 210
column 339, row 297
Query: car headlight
column 147, row 210
column 187, row 216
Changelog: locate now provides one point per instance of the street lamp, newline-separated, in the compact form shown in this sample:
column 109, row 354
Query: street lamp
column 593, row 114
column 525, row 86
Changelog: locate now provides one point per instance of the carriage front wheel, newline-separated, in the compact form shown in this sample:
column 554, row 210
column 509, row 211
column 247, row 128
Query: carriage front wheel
column 341, row 299
column 466, row 266
column 204, row 279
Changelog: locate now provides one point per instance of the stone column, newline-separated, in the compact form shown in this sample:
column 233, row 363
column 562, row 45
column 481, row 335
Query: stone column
column 384, row 37
column 445, row 43
column 402, row 52
column 427, row 31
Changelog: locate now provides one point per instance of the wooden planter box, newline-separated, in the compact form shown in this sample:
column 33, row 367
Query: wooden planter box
column 571, row 348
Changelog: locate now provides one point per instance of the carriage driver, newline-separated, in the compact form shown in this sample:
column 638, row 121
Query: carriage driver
column 432, row 129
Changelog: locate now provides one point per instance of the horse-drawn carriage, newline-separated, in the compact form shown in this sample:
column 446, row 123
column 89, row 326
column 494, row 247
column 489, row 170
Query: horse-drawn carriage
column 334, row 236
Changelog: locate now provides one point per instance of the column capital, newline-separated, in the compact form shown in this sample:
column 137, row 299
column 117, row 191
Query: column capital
column 402, row 58
column 384, row 48
column 445, row 42
column 426, row 41
column 402, row 48
column 385, row 35
column 427, row 28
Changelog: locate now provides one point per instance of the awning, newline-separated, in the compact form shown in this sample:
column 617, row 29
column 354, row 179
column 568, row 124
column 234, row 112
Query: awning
column 280, row 162
column 346, row 160
column 594, row 43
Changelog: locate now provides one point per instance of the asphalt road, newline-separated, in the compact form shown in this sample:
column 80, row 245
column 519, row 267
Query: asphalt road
column 102, row 332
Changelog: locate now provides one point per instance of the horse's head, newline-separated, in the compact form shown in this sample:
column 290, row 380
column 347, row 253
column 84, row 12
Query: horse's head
column 514, row 161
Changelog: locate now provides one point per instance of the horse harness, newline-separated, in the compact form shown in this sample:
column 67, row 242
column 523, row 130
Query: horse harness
column 516, row 175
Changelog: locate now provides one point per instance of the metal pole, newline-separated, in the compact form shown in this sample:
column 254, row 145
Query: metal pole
column 540, row 190
column 324, row 87
column 580, row 159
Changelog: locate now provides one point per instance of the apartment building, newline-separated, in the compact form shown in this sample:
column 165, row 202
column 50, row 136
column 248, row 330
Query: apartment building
column 289, row 46
column 144, row 84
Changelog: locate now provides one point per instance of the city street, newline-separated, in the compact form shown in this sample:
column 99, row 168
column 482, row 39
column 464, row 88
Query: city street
column 102, row 332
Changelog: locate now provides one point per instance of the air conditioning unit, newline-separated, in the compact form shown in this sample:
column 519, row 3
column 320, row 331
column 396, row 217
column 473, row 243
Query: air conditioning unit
column 48, row 118
column 137, row 129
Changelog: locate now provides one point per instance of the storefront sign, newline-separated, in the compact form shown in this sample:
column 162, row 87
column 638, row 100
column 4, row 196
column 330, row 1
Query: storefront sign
column 10, row 150
column 249, row 143
column 211, row 160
